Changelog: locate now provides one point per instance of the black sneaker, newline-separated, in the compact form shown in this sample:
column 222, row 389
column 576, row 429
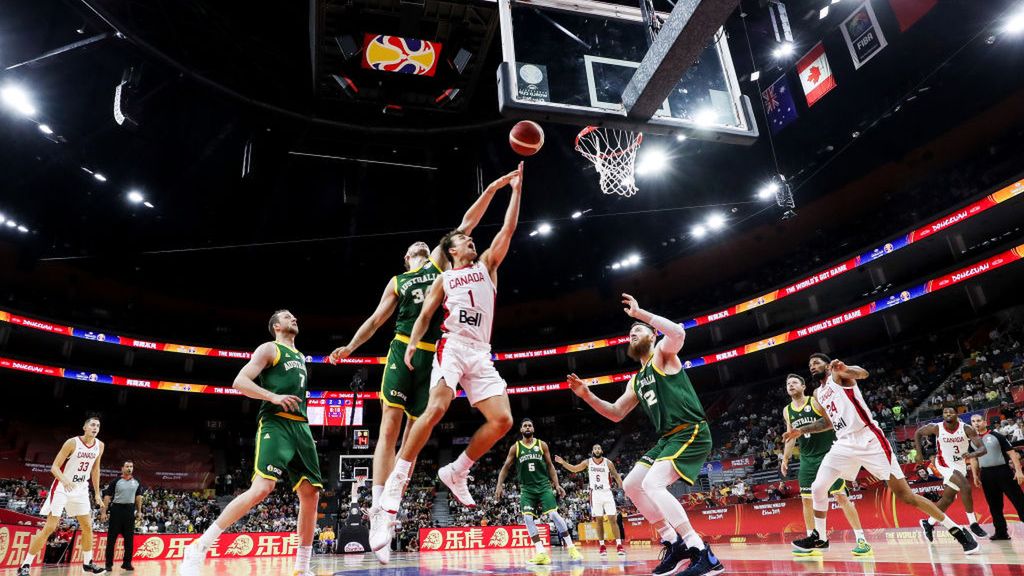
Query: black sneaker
column 126, row 568
column 965, row 539
column 978, row 530
column 810, row 544
column 995, row 537
column 92, row 568
column 24, row 570
column 673, row 556
column 705, row 565
column 929, row 530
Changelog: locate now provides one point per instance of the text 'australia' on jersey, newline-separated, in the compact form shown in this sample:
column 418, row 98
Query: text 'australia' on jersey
column 411, row 288
column 531, row 468
column 810, row 444
column 469, row 296
column 669, row 400
column 286, row 376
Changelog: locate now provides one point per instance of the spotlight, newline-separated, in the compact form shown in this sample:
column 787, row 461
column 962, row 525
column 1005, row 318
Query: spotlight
column 705, row 117
column 45, row 129
column 135, row 197
column 680, row 137
column 823, row 13
column 698, row 231
column 755, row 75
column 616, row 266
column 2, row 218
column 633, row 259
column 534, row 233
column 716, row 221
column 1015, row 23
column 148, row 204
column 767, row 192
column 18, row 99
column 786, row 49
column 22, row 229
column 99, row 177
column 653, row 161
column 11, row 223
column 577, row 214
column 544, row 229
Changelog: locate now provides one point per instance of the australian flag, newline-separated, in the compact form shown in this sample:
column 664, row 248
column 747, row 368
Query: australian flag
column 778, row 105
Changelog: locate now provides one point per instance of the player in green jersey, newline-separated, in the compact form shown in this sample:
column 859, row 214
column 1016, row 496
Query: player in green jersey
column 663, row 391
column 813, row 447
column 537, row 476
column 276, row 375
column 404, row 391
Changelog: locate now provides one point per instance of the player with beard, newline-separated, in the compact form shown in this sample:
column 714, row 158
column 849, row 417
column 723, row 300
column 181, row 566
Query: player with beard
column 403, row 390
column 284, row 443
column 664, row 392
column 602, row 502
column 859, row 444
column 953, row 442
column 537, row 476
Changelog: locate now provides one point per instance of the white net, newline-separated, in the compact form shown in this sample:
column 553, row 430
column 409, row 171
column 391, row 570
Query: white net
column 613, row 153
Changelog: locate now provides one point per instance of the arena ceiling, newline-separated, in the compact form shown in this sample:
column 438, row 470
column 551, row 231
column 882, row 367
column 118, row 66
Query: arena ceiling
column 271, row 186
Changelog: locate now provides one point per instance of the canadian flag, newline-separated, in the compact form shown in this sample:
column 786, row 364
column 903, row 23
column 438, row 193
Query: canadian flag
column 815, row 74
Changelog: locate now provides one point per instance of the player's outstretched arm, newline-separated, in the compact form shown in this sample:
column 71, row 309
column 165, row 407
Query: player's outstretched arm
column 472, row 217
column 614, row 472
column 840, row 370
column 57, row 469
column 614, row 412
column 499, row 488
column 245, row 382
column 822, row 424
column 574, row 468
column 976, row 443
column 926, row 430
column 495, row 255
column 430, row 304
column 665, row 355
column 552, row 471
column 385, row 308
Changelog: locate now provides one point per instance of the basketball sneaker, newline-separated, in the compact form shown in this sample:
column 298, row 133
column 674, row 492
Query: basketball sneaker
column 978, row 530
column 384, row 554
column 91, row 568
column 970, row 545
column 862, row 548
column 574, row 553
column 24, row 571
column 456, row 482
column 929, row 530
column 673, row 556
column 620, row 550
column 603, row 551
column 382, row 527
column 809, row 545
column 191, row 560
column 391, row 497
column 541, row 558
column 705, row 564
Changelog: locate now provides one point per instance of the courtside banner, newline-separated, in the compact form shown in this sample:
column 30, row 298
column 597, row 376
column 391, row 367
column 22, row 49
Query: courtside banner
column 479, row 538
column 172, row 546
column 936, row 226
column 14, row 542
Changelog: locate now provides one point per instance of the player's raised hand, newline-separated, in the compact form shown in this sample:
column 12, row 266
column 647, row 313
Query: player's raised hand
column 339, row 353
column 410, row 351
column 632, row 308
column 517, row 178
column 837, row 367
column 576, row 385
column 498, row 491
column 559, row 460
column 287, row 401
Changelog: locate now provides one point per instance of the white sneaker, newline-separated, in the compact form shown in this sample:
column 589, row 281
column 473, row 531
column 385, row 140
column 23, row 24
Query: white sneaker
column 191, row 561
column 384, row 554
column 456, row 482
column 382, row 530
column 391, row 497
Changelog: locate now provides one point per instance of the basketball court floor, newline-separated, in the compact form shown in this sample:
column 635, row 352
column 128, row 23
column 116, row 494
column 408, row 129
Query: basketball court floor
column 897, row 552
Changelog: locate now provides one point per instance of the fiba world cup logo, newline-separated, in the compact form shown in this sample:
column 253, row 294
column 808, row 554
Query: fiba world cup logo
column 403, row 55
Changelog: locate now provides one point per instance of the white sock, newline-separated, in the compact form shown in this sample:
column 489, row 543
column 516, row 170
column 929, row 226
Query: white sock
column 302, row 555
column 693, row 541
column 971, row 518
column 539, row 546
column 859, row 535
column 463, row 463
column 376, row 491
column 87, row 557
column 948, row 523
column 600, row 542
column 402, row 467
column 28, row 560
column 819, row 525
column 932, row 521
column 566, row 540
column 667, row 533
column 208, row 537
column 618, row 541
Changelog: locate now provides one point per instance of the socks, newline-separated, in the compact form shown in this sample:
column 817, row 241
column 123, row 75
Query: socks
column 947, row 522
column 932, row 521
column 667, row 533
column 809, row 530
column 208, row 537
column 376, row 491
column 302, row 555
column 819, row 525
column 28, row 560
column 539, row 547
column 618, row 541
column 971, row 518
column 859, row 535
column 87, row 557
column 402, row 467
column 463, row 463
column 566, row 539
column 693, row 541
column 600, row 542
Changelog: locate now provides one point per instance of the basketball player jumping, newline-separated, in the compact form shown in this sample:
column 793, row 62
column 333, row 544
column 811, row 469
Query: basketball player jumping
column 602, row 501
column 859, row 444
column 401, row 389
column 813, row 448
column 537, row 476
column 463, row 358
column 76, row 466
column 284, row 443
column 953, row 440
column 664, row 392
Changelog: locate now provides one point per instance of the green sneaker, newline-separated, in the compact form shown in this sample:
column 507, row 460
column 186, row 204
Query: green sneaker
column 862, row 549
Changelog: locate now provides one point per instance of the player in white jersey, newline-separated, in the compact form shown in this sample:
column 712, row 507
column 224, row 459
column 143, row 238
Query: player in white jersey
column 601, row 471
column 953, row 440
column 76, row 466
column 463, row 358
column 859, row 444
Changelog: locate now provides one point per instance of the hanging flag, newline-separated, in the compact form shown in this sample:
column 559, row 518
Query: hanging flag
column 863, row 34
column 815, row 74
column 909, row 12
column 778, row 105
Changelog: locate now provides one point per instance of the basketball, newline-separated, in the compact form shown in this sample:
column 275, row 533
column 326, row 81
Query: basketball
column 526, row 138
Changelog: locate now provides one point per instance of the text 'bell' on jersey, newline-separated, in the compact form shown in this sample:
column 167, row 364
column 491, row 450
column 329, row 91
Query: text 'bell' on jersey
column 469, row 296
column 598, row 475
column 669, row 400
column 846, row 408
column 810, row 444
column 78, row 467
column 952, row 446
column 287, row 375
column 531, row 468
column 411, row 288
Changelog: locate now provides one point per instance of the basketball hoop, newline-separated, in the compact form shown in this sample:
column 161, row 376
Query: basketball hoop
column 613, row 153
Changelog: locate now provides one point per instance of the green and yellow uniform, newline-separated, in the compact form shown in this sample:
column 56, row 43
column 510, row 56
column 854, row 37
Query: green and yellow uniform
column 813, row 447
column 284, row 442
column 399, row 387
column 671, row 403
column 535, row 493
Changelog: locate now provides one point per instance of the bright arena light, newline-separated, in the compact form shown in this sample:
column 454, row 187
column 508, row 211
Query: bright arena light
column 786, row 49
column 148, row 204
column 633, row 259
column 45, row 129
column 22, row 229
column 823, row 13
column 135, row 197
column 652, row 161
column 544, row 229
column 17, row 99
column 2, row 218
column 768, row 191
column 698, row 231
column 1015, row 23
column 11, row 224
column 99, row 177
column 705, row 117
column 680, row 137
column 616, row 266
column 716, row 221
column 577, row 214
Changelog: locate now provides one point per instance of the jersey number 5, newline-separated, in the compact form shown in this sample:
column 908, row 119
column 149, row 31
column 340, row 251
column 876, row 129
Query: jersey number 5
column 530, row 466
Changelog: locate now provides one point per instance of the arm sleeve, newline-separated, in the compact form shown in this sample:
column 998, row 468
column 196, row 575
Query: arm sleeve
column 109, row 490
column 1003, row 444
column 141, row 490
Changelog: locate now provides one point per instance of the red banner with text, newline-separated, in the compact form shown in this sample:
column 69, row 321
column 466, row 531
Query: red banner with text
column 172, row 546
column 479, row 538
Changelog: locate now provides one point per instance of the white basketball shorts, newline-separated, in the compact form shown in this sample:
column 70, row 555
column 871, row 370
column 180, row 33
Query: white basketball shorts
column 467, row 363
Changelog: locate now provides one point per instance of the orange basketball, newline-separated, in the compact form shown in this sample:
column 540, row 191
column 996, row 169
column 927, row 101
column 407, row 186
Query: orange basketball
column 526, row 138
